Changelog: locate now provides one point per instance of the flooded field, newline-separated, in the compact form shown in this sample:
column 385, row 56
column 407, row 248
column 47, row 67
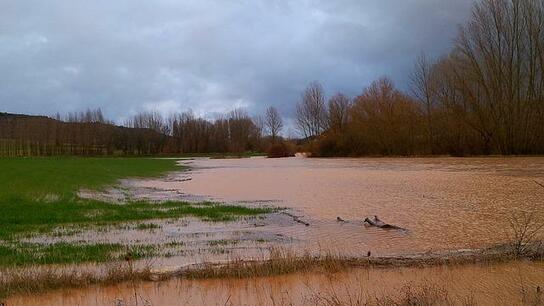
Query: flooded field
column 443, row 203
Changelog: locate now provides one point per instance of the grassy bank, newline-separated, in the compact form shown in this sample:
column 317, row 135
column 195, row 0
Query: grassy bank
column 39, row 196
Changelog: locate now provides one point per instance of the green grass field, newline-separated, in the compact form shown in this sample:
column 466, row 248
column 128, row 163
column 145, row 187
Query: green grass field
column 33, row 178
column 39, row 195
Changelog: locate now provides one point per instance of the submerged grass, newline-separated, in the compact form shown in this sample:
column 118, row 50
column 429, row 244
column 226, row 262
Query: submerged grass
column 39, row 196
column 147, row 226
column 21, row 217
column 30, row 253
column 21, row 254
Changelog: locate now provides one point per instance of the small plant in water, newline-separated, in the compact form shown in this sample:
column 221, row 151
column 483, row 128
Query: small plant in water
column 525, row 230
column 147, row 226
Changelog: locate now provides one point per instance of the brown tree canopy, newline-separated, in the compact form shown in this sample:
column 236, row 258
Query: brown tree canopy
column 384, row 120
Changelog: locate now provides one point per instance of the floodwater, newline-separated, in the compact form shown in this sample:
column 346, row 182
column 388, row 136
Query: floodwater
column 443, row 203
column 497, row 284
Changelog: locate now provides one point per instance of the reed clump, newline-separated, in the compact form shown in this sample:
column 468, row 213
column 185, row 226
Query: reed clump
column 280, row 261
column 32, row 281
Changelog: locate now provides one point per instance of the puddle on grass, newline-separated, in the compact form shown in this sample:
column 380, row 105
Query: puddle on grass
column 185, row 241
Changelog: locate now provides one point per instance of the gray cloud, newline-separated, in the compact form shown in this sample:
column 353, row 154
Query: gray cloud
column 209, row 56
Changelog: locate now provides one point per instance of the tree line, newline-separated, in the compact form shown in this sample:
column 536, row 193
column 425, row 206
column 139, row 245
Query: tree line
column 485, row 97
column 146, row 133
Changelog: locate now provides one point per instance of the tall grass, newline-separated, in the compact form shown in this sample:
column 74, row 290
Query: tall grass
column 40, row 280
column 280, row 261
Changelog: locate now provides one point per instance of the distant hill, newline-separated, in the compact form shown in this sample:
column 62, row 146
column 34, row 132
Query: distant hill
column 9, row 115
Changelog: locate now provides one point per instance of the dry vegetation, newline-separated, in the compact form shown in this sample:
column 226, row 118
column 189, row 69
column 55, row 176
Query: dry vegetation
column 525, row 233
column 40, row 279
column 33, row 281
column 281, row 261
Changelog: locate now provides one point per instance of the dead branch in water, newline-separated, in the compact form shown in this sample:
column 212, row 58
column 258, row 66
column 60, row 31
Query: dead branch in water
column 296, row 218
column 380, row 224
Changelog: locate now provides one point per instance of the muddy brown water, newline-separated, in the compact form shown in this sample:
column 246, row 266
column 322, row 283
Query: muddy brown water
column 497, row 284
column 444, row 203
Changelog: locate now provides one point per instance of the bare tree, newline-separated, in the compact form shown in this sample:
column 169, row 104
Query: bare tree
column 311, row 115
column 273, row 123
column 258, row 121
column 149, row 120
column 241, row 130
column 88, row 116
column 338, row 116
column 424, row 91
column 499, row 64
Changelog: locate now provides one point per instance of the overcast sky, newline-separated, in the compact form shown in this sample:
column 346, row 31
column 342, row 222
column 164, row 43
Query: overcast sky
column 125, row 56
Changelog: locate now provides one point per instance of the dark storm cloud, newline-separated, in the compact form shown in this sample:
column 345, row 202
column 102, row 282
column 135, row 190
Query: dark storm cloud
column 209, row 56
